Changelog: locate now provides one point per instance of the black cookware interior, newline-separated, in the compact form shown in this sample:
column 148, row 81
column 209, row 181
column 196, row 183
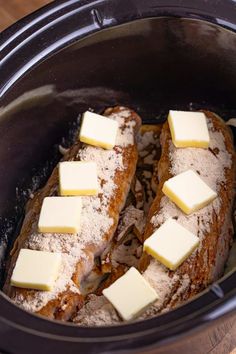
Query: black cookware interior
column 151, row 65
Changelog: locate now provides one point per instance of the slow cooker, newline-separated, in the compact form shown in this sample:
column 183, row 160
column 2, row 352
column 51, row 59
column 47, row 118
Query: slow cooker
column 78, row 54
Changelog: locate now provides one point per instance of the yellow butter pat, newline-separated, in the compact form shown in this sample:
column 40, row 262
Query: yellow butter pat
column 60, row 215
column 188, row 191
column 98, row 130
column 171, row 244
column 131, row 294
column 188, row 129
column 36, row 270
column 78, row 178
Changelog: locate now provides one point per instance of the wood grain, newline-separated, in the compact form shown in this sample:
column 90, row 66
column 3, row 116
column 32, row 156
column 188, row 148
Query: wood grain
column 227, row 342
column 10, row 12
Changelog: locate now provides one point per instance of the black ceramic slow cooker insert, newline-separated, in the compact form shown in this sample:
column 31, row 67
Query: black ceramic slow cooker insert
column 151, row 55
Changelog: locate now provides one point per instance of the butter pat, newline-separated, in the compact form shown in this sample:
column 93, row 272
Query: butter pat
column 171, row 244
column 60, row 214
column 78, row 178
column 131, row 294
column 188, row 129
column 98, row 130
column 188, row 191
column 36, row 270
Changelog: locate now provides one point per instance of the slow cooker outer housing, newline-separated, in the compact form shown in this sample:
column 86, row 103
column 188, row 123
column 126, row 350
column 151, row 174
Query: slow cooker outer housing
column 146, row 54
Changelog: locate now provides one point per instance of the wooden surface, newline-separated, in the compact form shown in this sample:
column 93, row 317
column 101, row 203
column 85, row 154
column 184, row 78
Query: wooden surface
column 227, row 342
column 11, row 11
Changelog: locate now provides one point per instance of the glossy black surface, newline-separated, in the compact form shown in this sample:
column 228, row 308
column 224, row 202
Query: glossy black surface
column 74, row 55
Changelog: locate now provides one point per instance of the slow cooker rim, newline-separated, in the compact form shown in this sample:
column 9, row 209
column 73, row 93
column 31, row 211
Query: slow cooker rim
column 34, row 18
column 99, row 15
column 225, row 283
column 18, row 318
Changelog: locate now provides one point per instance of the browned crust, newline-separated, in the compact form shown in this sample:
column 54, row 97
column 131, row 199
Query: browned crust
column 200, row 273
column 67, row 302
column 62, row 308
